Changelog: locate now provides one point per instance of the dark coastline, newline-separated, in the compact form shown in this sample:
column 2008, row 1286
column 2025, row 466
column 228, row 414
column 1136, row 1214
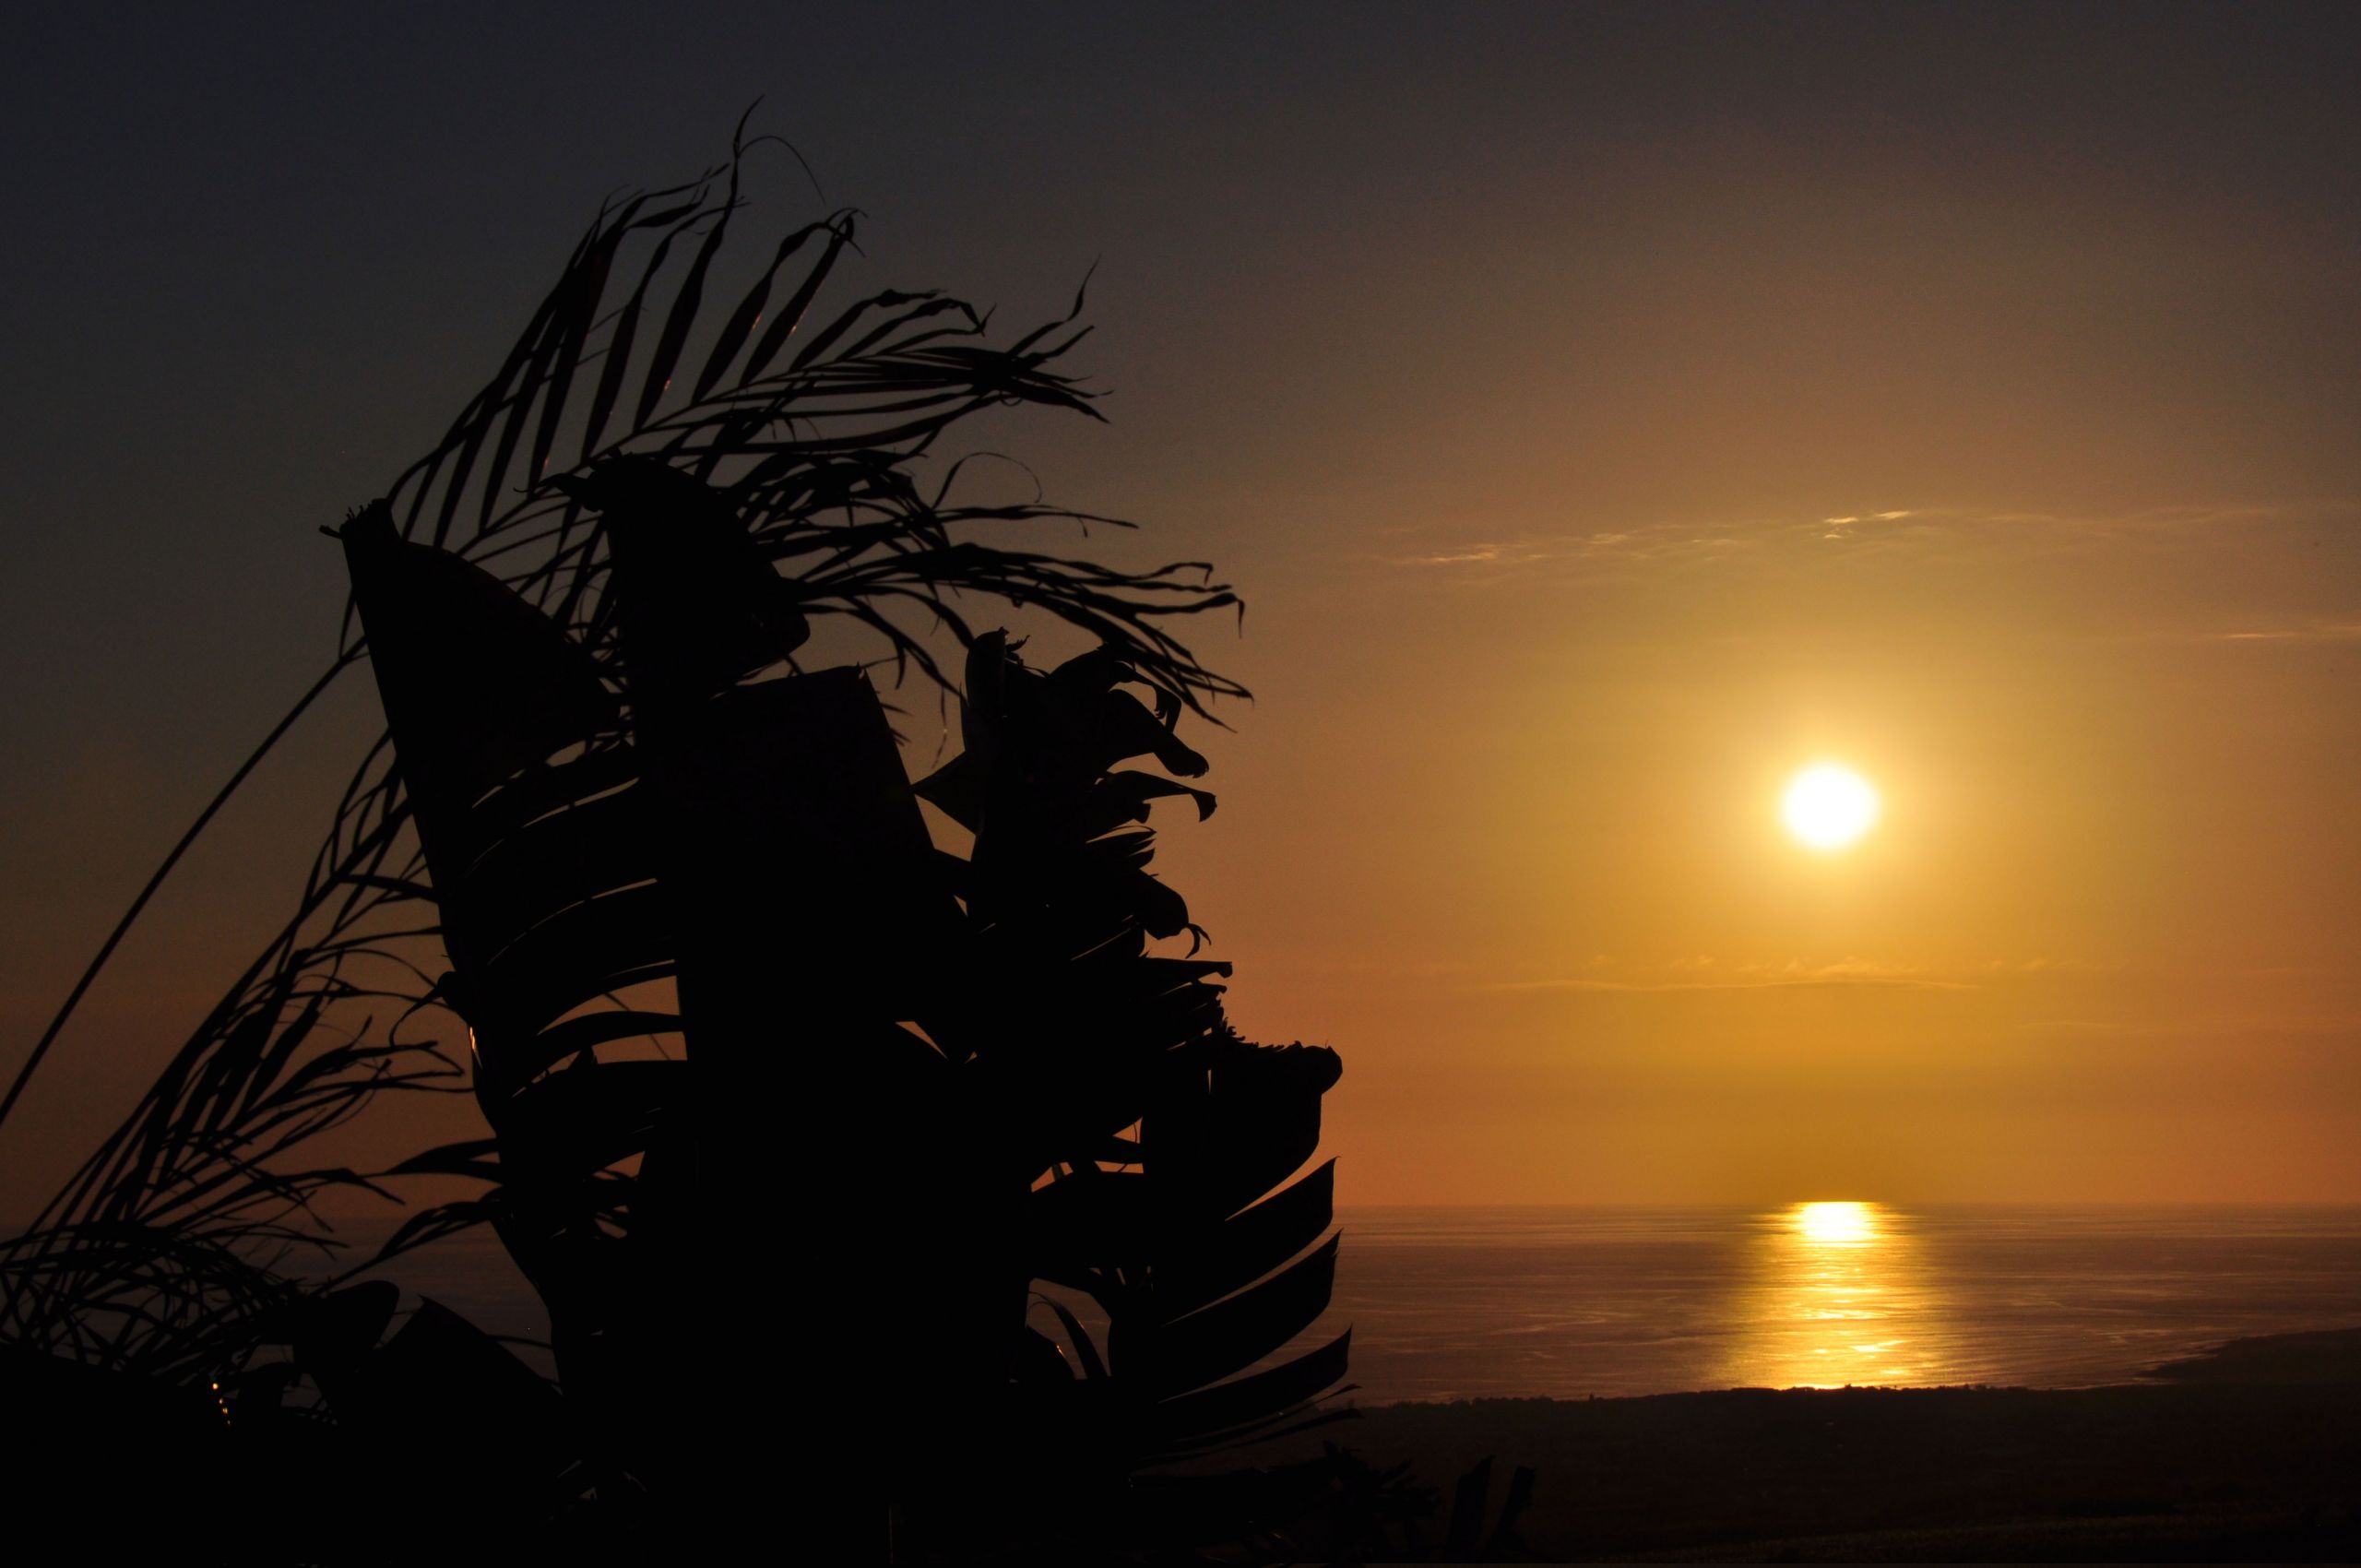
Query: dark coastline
column 2250, row 1453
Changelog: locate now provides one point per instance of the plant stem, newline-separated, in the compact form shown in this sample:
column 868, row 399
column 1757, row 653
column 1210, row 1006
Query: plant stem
column 106, row 949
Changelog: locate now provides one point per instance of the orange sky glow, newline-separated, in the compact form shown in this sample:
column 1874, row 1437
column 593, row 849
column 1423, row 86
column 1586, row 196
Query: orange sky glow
column 1583, row 485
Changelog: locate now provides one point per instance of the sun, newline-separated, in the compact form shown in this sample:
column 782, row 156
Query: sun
column 1828, row 806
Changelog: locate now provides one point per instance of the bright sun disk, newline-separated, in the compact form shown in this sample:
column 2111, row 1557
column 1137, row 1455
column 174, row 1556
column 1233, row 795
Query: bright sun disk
column 1828, row 806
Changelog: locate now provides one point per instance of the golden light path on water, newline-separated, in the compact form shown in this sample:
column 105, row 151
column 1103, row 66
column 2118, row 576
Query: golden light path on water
column 1837, row 1293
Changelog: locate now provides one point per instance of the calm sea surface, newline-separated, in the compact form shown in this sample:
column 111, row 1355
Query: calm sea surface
column 1455, row 1303
column 1465, row 1303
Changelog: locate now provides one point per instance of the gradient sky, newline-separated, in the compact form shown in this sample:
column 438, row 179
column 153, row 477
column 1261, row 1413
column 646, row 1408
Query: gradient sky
column 1605, row 410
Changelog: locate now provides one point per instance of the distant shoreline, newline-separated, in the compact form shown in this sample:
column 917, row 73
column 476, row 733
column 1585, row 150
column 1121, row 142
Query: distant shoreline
column 2251, row 1451
column 2321, row 1355
column 2310, row 1357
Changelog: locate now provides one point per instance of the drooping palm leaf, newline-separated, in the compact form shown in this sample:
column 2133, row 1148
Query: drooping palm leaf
column 974, row 1037
column 815, row 424
column 552, row 595
column 1205, row 1258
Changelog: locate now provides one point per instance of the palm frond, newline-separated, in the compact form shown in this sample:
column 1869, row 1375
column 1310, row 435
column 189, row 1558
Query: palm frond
column 642, row 805
column 664, row 487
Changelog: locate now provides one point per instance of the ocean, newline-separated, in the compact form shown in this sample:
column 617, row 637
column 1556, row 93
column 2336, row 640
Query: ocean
column 1461, row 1303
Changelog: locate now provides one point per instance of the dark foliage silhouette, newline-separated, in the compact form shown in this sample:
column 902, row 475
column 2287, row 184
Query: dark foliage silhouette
column 1386, row 1515
column 792, row 1116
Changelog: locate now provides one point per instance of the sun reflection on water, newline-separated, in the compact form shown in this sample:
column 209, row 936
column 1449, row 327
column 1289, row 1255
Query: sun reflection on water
column 1837, row 1225
column 1837, row 1294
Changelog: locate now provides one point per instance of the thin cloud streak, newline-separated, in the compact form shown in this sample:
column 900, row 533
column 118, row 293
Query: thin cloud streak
column 1891, row 981
column 1688, row 975
column 2218, row 1028
column 2332, row 632
column 1702, row 973
column 1917, row 525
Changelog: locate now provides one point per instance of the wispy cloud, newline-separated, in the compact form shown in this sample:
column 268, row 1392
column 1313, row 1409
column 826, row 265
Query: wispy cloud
column 1888, row 527
column 1765, row 983
column 2049, row 966
column 1529, row 551
column 2197, row 1028
column 1634, row 543
column 1702, row 974
column 2320, row 632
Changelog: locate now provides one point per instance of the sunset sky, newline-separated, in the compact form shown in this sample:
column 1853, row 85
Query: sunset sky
column 1605, row 411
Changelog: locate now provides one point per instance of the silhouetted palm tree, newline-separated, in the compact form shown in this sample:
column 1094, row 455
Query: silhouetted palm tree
column 791, row 1113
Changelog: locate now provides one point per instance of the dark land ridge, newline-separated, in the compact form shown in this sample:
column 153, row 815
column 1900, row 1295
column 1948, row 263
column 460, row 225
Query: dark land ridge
column 2250, row 1453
